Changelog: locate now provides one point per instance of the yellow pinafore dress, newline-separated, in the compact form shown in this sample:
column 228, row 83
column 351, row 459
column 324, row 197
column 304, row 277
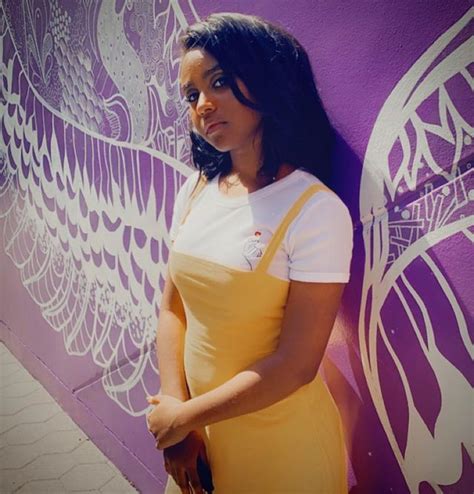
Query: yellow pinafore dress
column 233, row 316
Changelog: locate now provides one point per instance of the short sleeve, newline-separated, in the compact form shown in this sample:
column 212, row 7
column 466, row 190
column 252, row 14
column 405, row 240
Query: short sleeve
column 320, row 241
column 181, row 202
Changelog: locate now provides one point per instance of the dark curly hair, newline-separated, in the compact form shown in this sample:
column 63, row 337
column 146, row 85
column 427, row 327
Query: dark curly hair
column 277, row 72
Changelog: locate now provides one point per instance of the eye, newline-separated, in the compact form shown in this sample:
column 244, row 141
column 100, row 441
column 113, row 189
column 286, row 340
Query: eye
column 221, row 82
column 191, row 97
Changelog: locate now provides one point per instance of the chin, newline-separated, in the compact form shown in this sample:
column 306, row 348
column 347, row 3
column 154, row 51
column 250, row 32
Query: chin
column 219, row 144
column 221, row 148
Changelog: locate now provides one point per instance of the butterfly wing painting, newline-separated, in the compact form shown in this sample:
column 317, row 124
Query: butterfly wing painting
column 414, row 323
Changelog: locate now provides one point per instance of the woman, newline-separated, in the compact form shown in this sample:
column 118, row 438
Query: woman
column 260, row 257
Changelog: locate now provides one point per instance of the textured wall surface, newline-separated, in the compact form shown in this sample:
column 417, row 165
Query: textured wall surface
column 93, row 148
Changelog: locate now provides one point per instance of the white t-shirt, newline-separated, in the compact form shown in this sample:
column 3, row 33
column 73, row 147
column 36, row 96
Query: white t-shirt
column 234, row 231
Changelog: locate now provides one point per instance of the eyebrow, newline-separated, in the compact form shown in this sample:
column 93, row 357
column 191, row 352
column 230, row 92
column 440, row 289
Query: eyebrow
column 206, row 74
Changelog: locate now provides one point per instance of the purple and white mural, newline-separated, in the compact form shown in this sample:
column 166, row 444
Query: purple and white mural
column 414, row 339
column 94, row 146
column 95, row 149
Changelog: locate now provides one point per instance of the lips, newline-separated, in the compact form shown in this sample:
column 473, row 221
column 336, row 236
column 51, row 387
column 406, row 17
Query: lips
column 211, row 126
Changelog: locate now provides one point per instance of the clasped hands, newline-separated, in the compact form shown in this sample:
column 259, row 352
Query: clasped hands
column 165, row 421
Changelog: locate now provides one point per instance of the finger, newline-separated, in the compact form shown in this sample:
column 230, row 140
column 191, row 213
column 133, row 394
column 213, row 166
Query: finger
column 203, row 454
column 157, row 396
column 181, row 479
column 149, row 427
column 153, row 396
column 205, row 460
column 152, row 400
column 195, row 481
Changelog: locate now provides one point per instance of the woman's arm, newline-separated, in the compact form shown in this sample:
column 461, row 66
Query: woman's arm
column 309, row 318
column 170, row 343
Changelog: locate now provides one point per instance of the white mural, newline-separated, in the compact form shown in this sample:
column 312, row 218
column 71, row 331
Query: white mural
column 88, row 181
column 410, row 201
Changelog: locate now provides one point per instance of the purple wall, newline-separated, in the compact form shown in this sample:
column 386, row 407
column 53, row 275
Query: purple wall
column 93, row 148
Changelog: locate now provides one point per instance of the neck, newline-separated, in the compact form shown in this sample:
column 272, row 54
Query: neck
column 245, row 165
column 239, row 180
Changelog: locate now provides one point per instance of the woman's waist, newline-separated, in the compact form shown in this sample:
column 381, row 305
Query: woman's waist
column 234, row 342
column 310, row 406
column 208, row 366
column 207, row 369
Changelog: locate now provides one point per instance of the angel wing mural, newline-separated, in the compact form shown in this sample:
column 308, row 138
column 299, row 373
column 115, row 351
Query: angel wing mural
column 415, row 342
column 93, row 149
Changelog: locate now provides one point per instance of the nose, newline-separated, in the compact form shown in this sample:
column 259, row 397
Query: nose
column 204, row 104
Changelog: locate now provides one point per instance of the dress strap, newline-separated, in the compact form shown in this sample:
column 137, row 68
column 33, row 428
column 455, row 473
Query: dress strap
column 282, row 228
column 197, row 189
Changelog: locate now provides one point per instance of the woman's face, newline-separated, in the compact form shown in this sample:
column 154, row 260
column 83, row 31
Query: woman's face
column 216, row 114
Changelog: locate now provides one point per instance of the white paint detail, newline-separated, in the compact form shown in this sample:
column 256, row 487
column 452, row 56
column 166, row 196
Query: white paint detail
column 392, row 241
column 90, row 306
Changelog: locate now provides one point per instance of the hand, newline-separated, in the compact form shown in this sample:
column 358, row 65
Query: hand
column 181, row 462
column 162, row 421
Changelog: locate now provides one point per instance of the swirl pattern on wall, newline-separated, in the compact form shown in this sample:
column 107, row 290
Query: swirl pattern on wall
column 91, row 160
